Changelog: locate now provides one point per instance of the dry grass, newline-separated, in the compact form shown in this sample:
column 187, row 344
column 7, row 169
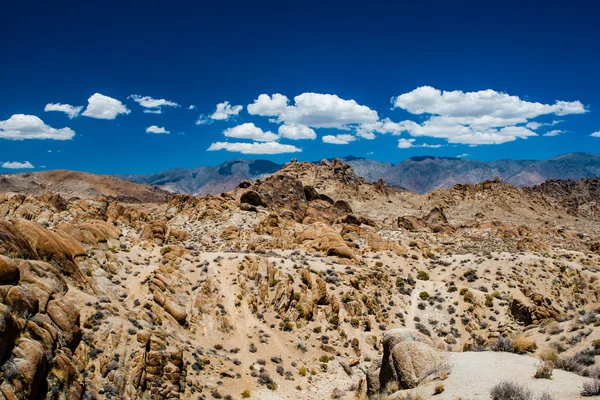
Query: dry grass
column 544, row 370
column 549, row 355
column 523, row 344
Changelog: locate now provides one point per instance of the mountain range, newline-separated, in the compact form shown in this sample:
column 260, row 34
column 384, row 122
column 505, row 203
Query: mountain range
column 418, row 174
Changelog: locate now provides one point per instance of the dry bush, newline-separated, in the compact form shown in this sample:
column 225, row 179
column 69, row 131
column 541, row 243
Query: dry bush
column 523, row 344
column 508, row 390
column 591, row 388
column 544, row 370
column 549, row 355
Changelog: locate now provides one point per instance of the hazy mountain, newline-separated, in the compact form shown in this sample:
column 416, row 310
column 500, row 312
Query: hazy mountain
column 424, row 174
column 417, row 174
column 207, row 179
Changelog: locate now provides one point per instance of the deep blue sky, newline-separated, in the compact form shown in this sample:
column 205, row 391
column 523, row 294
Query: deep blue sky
column 204, row 53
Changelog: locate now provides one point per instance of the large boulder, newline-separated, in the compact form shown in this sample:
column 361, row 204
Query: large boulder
column 253, row 198
column 9, row 271
column 8, row 331
column 409, row 358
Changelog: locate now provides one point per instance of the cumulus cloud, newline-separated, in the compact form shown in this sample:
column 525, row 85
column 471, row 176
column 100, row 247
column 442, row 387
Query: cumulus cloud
column 315, row 110
column 462, row 155
column 474, row 118
column 192, row 107
column 250, row 131
column 17, row 165
column 104, row 107
column 296, row 132
column 269, row 106
column 71, row 111
column 338, row 139
column 533, row 125
column 156, row 129
column 595, row 134
column 405, row 143
column 152, row 105
column 368, row 130
column 255, row 148
column 21, row 126
column 554, row 132
column 225, row 110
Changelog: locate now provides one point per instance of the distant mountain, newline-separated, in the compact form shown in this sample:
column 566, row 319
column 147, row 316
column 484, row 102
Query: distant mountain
column 207, row 179
column 417, row 174
column 427, row 173
column 424, row 174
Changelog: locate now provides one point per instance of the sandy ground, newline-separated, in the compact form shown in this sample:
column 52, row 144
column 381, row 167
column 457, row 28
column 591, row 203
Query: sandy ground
column 473, row 374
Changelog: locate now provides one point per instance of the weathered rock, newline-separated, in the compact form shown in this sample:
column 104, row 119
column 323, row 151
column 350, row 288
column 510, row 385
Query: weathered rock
column 9, row 271
column 253, row 198
column 409, row 358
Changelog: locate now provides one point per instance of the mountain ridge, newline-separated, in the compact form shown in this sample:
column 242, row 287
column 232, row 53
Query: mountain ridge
column 420, row 174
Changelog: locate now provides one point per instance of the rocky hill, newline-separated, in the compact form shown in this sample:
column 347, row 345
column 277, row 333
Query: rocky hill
column 581, row 197
column 80, row 184
column 309, row 283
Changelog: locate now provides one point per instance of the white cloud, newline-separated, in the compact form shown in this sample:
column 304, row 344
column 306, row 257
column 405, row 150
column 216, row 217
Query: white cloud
column 152, row 105
column 268, row 106
column 104, row 107
column 554, row 132
column 192, row 107
column 202, row 120
column 595, row 134
column 21, row 126
column 428, row 100
column 462, row 155
column 431, row 146
column 314, row 110
column 255, row 148
column 71, row 111
column 338, row 139
column 296, row 132
column 225, row 110
column 250, row 131
column 156, row 129
column 474, row 118
column 17, row 165
column 533, row 125
column 405, row 143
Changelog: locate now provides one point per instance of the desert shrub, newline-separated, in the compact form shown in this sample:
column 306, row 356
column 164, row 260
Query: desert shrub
column 577, row 362
column 302, row 370
column 591, row 388
column 508, row 390
column 246, row 394
column 545, row 396
column 265, row 379
column 423, row 329
column 503, row 344
column 422, row 276
column 555, row 329
column 439, row 388
column 523, row 344
column 423, row 296
column 337, row 393
column 544, row 370
column 549, row 355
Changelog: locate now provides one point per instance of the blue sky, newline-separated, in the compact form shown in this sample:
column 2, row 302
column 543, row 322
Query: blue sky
column 307, row 80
